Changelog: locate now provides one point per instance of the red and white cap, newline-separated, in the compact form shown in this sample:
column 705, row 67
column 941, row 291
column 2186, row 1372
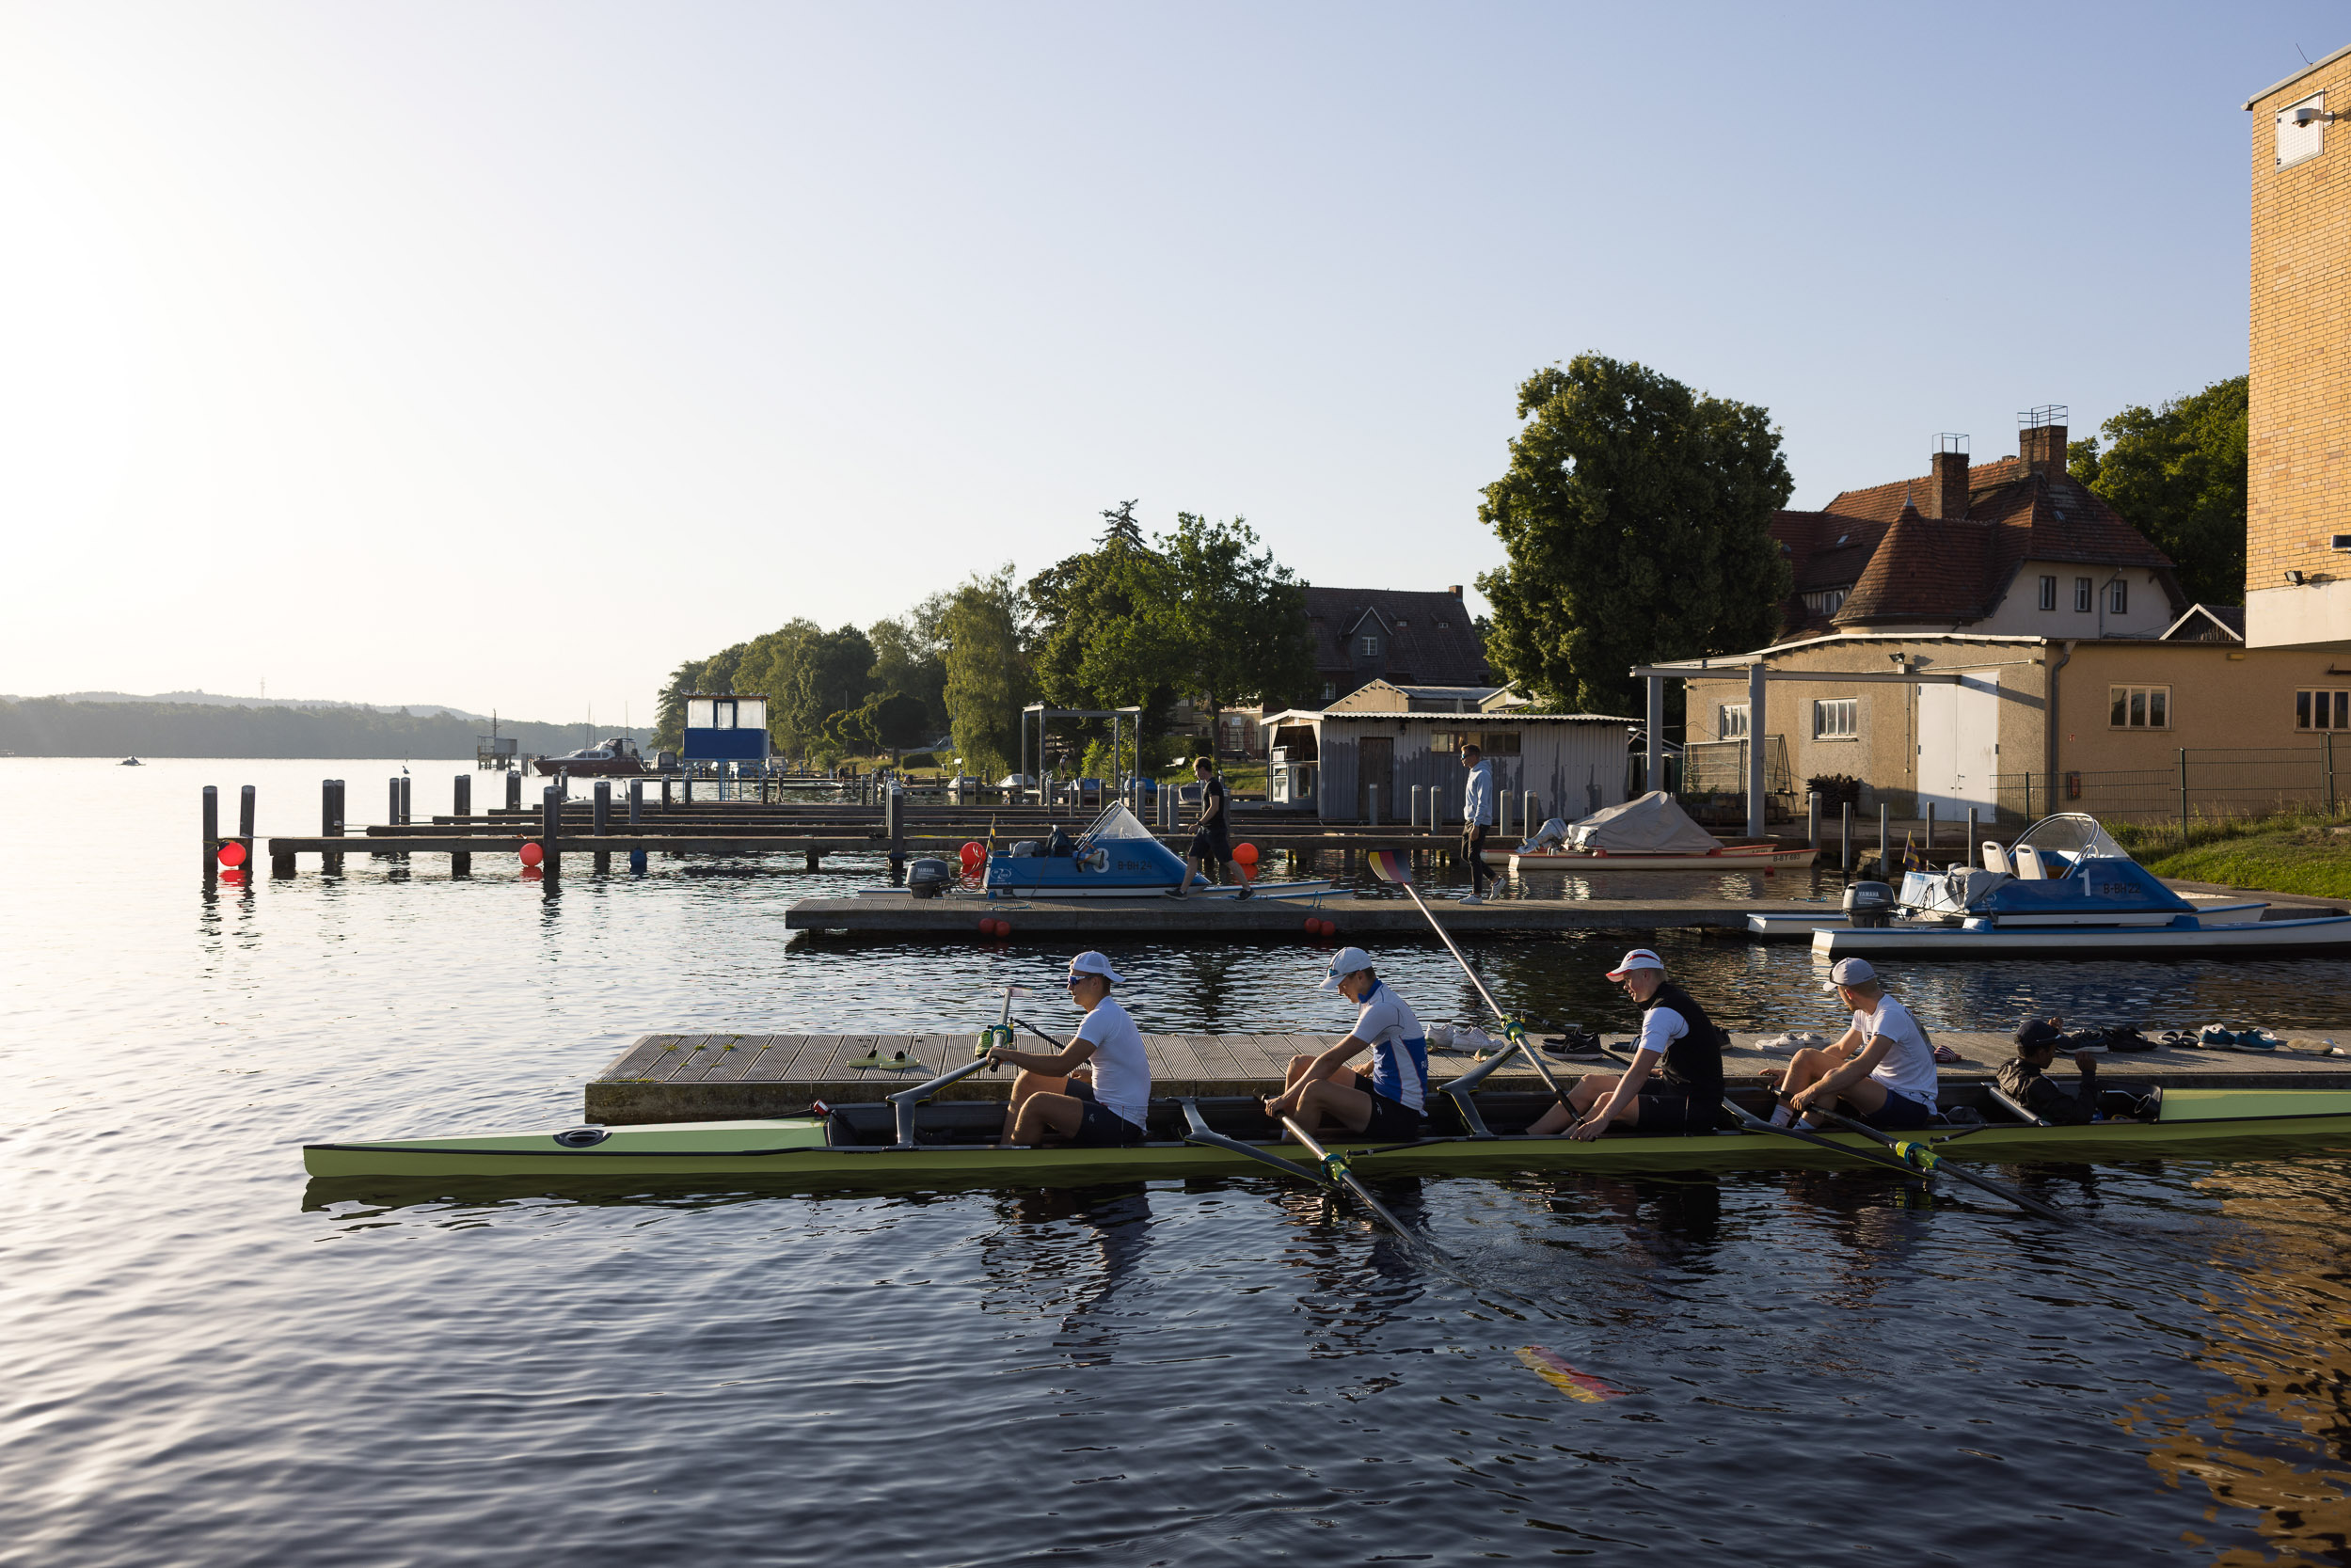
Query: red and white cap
column 1640, row 958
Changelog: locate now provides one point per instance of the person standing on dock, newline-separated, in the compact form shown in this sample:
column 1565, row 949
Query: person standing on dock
column 1212, row 838
column 1675, row 1034
column 1477, row 814
column 1105, row 1107
column 1882, row 1069
column 1327, row 1095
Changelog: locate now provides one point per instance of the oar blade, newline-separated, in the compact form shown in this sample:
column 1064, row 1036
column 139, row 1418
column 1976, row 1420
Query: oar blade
column 1389, row 866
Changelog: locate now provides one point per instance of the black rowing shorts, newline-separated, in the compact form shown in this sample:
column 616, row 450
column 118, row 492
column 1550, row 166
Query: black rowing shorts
column 1100, row 1127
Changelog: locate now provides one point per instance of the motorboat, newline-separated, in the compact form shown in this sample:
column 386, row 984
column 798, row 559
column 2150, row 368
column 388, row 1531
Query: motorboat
column 615, row 756
column 1649, row 832
column 130, row 762
column 1116, row 857
column 2064, row 887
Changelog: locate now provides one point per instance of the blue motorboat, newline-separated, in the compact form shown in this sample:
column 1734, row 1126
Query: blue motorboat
column 1116, row 857
column 2063, row 887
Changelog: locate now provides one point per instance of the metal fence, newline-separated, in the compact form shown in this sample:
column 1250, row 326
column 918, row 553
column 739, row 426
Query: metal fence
column 2203, row 781
column 1712, row 782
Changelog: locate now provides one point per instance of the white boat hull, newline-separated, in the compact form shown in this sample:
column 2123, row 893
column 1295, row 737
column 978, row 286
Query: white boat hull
column 2247, row 912
column 1953, row 941
column 1731, row 859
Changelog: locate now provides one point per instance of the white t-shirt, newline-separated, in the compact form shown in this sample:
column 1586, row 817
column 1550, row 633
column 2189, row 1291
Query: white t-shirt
column 1659, row 1028
column 1399, row 1049
column 1908, row 1068
column 1122, row 1070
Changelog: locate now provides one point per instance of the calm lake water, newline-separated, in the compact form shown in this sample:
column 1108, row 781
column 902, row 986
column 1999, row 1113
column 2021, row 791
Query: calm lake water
column 212, row 1364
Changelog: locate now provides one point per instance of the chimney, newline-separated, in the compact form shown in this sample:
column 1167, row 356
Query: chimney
column 1946, row 477
column 2041, row 439
column 1454, row 588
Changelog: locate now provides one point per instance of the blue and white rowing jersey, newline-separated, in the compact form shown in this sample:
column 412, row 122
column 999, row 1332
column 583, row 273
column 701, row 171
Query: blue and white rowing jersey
column 1399, row 1051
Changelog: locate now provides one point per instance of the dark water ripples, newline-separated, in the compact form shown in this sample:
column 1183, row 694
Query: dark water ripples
column 211, row 1364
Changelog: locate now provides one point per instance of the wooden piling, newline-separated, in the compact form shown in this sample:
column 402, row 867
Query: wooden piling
column 330, row 799
column 211, row 832
column 550, row 830
column 636, row 803
column 600, row 819
column 461, row 807
column 514, row 789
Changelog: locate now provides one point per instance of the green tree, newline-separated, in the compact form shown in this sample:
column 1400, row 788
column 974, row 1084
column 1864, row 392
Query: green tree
column 987, row 674
column 2178, row 472
column 713, row 675
column 770, row 666
column 1636, row 517
column 1102, row 633
column 907, row 657
column 1233, row 618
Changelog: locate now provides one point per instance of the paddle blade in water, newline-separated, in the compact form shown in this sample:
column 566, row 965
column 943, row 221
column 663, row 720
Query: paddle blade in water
column 1389, row 866
column 1553, row 1369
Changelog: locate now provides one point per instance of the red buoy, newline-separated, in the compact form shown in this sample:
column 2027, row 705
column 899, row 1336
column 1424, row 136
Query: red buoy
column 1330, row 927
column 533, row 854
column 232, row 853
column 1244, row 854
column 1313, row 927
column 1004, row 928
column 973, row 856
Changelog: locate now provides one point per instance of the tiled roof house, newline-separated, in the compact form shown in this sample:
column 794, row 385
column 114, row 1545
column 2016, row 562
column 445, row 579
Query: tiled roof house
column 2015, row 547
column 1403, row 637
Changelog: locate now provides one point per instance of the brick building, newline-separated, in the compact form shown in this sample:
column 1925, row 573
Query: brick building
column 2297, row 561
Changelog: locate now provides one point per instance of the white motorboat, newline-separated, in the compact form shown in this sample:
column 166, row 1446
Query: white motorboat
column 2064, row 888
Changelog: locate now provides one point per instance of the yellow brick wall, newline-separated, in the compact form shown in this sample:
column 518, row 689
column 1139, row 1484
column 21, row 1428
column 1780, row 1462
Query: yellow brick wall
column 2299, row 483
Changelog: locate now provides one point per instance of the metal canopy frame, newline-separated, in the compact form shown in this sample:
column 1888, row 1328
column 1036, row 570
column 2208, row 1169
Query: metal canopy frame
column 1133, row 718
column 1759, row 675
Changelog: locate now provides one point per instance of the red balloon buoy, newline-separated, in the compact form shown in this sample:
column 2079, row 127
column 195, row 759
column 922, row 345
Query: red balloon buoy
column 1313, row 927
column 533, row 854
column 1004, row 928
column 232, row 853
column 1330, row 927
column 1244, row 854
column 973, row 855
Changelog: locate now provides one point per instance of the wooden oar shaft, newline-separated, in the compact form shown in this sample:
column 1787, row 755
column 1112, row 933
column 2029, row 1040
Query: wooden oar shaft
column 1525, row 1047
column 2030, row 1205
column 1363, row 1194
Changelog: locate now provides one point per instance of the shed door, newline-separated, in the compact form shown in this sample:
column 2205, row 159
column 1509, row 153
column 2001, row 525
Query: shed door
column 1959, row 743
column 1374, row 760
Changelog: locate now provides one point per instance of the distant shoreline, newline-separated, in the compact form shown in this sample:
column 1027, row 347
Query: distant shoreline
column 47, row 727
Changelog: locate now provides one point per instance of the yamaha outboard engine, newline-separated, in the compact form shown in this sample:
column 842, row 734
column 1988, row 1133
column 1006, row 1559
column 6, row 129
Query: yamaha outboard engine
column 928, row 878
column 1869, row 905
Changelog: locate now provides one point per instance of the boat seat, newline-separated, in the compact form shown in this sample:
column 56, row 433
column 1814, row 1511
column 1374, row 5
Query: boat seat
column 1996, row 858
column 2029, row 866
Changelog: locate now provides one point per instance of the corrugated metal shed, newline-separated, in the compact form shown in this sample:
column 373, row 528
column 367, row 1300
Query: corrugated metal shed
column 1576, row 763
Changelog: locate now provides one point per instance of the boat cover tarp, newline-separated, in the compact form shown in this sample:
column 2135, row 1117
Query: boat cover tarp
column 1651, row 824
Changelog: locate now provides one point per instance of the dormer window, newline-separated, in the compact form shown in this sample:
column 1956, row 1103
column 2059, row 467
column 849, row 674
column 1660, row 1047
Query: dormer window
column 1825, row 601
column 1444, row 625
column 1370, row 646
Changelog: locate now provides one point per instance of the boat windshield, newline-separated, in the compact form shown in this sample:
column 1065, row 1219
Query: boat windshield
column 1116, row 823
column 2076, row 835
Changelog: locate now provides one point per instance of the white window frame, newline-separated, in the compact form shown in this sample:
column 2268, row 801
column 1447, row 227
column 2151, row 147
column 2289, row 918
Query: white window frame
column 2048, row 592
column 1369, row 645
column 1730, row 721
column 2298, row 142
column 2322, row 707
column 2140, row 704
column 2085, row 596
column 1836, row 719
column 2119, row 597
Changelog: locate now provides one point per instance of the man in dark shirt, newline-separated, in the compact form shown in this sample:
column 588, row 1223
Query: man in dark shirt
column 1211, row 840
column 2022, row 1079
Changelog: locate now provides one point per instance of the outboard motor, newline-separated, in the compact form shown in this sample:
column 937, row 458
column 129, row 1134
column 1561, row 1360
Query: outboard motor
column 1869, row 905
column 928, row 878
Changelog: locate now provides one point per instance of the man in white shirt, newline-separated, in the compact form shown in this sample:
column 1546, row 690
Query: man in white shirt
column 1106, row 1106
column 1883, row 1069
column 1477, row 814
column 1327, row 1095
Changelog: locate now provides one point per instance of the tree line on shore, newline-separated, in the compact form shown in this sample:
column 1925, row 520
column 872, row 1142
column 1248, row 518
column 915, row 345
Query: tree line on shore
column 1635, row 513
column 1200, row 612
column 48, row 727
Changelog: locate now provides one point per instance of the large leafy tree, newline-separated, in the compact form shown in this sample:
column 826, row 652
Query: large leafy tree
column 907, row 657
column 2178, row 472
column 1233, row 617
column 1636, row 514
column 1102, row 632
column 987, row 673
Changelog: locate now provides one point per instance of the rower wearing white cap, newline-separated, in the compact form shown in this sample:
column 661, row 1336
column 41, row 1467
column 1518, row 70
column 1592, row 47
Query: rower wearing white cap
column 1882, row 1069
column 1675, row 1031
column 1328, row 1094
column 1106, row 1106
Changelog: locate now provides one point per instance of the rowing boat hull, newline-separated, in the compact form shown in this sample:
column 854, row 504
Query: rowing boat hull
column 2327, row 932
column 793, row 1150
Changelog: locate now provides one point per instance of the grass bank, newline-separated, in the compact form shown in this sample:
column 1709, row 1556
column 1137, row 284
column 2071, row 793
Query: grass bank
column 2304, row 853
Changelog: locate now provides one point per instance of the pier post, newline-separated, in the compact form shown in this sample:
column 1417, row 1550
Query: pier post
column 1885, row 838
column 514, row 789
column 600, row 822
column 1416, row 806
column 391, row 805
column 1969, row 846
column 407, row 800
column 245, row 833
column 894, row 828
column 1927, row 850
column 330, row 797
column 665, row 793
column 461, row 807
column 636, row 803
column 1812, row 819
column 210, row 831
column 1371, row 795
column 1845, row 838
column 1527, row 825
column 550, row 831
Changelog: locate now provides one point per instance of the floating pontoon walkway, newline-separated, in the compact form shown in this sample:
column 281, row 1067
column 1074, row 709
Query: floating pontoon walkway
column 896, row 914
column 719, row 1077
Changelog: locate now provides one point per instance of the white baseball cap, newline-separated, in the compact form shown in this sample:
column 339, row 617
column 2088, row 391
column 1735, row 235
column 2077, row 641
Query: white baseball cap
column 1345, row 962
column 1852, row 972
column 1094, row 963
column 1640, row 958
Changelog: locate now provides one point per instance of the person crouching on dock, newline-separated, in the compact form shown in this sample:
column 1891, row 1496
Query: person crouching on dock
column 1326, row 1095
column 1882, row 1069
column 1674, row 1032
column 1105, row 1107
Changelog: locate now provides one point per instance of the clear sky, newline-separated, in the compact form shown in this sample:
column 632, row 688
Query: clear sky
column 505, row 354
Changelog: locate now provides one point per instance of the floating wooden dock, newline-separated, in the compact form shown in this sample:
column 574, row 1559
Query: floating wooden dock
column 895, row 912
column 719, row 1077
